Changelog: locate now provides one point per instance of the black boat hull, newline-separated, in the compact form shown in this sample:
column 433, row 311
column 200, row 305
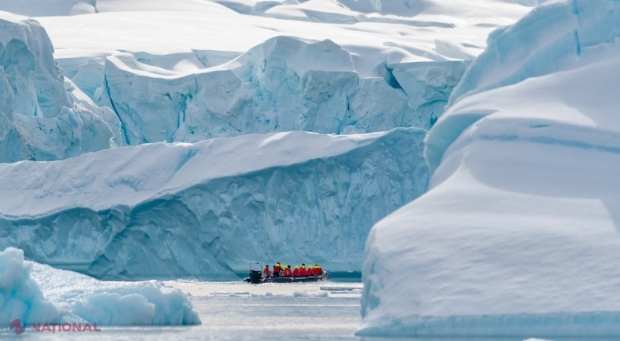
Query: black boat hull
column 307, row 279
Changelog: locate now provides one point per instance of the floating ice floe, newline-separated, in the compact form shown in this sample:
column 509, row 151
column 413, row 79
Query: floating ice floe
column 38, row 294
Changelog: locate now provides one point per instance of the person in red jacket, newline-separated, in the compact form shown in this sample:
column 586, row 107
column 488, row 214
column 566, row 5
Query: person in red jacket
column 266, row 271
column 276, row 270
column 303, row 272
column 296, row 271
column 318, row 269
column 287, row 271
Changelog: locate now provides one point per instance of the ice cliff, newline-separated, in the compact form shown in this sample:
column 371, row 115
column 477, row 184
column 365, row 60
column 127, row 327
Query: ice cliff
column 39, row 119
column 209, row 209
column 39, row 294
column 283, row 84
column 517, row 234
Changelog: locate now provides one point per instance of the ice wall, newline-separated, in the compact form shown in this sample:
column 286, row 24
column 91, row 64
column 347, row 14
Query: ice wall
column 514, row 237
column 209, row 209
column 39, row 120
column 283, row 84
column 39, row 294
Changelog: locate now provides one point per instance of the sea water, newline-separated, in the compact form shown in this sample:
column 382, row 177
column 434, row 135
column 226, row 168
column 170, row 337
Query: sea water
column 242, row 311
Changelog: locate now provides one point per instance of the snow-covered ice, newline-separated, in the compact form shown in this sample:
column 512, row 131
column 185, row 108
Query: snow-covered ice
column 209, row 209
column 39, row 119
column 39, row 294
column 188, row 70
column 518, row 233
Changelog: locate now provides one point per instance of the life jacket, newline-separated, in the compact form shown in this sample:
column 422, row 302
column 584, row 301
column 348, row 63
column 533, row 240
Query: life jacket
column 266, row 272
column 296, row 272
column 315, row 271
column 303, row 272
column 287, row 272
column 319, row 271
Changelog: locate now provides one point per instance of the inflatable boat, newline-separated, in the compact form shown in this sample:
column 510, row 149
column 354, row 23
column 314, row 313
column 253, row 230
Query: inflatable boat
column 256, row 277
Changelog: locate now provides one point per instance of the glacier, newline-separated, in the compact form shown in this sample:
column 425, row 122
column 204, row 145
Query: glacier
column 39, row 119
column 209, row 209
column 232, row 68
column 517, row 233
column 38, row 294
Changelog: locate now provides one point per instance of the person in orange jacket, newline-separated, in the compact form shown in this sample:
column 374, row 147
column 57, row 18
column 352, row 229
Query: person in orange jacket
column 296, row 271
column 287, row 271
column 266, row 271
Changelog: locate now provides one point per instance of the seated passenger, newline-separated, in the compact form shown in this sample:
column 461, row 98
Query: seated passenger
column 276, row 271
column 296, row 271
column 319, row 271
column 287, row 271
column 303, row 272
column 266, row 271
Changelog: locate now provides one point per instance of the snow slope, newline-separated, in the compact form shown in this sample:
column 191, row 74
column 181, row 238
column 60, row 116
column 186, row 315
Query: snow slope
column 35, row 293
column 39, row 120
column 208, row 209
column 518, row 232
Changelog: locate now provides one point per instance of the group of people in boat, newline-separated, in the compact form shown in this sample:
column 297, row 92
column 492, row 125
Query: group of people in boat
column 286, row 271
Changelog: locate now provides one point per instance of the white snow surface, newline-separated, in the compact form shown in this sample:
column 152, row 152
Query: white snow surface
column 163, row 26
column 517, row 234
column 36, row 293
column 209, row 209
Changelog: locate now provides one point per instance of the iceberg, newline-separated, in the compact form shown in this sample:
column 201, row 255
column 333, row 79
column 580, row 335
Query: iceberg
column 39, row 294
column 209, row 209
column 516, row 233
column 39, row 119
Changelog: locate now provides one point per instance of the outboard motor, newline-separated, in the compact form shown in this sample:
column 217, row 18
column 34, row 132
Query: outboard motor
column 255, row 275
